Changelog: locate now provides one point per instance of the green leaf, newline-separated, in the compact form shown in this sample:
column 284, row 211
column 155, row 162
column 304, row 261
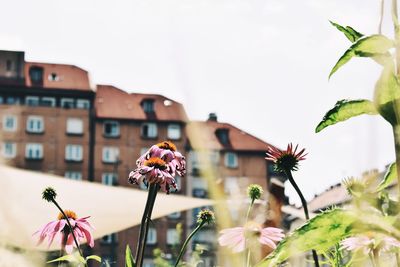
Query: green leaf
column 348, row 31
column 387, row 94
column 390, row 176
column 344, row 110
column 370, row 46
column 93, row 257
column 69, row 258
column 129, row 260
column 320, row 233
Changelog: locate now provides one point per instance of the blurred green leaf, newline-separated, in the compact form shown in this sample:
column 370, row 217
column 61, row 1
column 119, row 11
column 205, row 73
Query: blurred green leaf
column 344, row 110
column 348, row 31
column 370, row 46
column 320, row 233
column 93, row 257
column 387, row 94
column 390, row 176
column 69, row 258
column 129, row 260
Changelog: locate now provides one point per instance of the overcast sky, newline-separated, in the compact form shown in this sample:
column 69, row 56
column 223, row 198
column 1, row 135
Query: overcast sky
column 261, row 65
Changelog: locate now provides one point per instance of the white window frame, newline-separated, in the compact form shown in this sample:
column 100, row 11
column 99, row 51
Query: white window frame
column 174, row 131
column 113, row 154
column 152, row 236
column 73, row 152
column 67, row 100
column 74, row 126
column 83, row 104
column 30, row 98
column 50, row 99
column 235, row 160
column 37, row 147
column 73, row 175
column 15, row 123
column 172, row 236
column 231, row 185
column 150, row 125
column 35, row 129
column 109, row 178
column 113, row 123
column 13, row 153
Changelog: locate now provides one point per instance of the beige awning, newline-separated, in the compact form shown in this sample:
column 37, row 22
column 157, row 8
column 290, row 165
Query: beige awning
column 112, row 209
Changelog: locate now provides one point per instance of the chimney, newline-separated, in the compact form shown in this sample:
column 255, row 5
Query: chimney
column 212, row 117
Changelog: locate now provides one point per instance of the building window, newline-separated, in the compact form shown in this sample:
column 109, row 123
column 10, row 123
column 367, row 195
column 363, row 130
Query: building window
column 53, row 77
column 34, row 151
column 74, row 126
column 109, row 239
column 32, row 101
column 73, row 175
column 36, row 75
column 1, row 99
column 9, row 123
column 110, row 154
column 174, row 131
column 148, row 263
column 9, row 150
column 143, row 150
column 73, row 153
column 231, row 186
column 175, row 215
column 172, row 237
column 109, row 178
column 67, row 102
column 8, row 65
column 231, row 160
column 178, row 182
column 111, row 128
column 12, row 100
column 48, row 101
column 148, row 105
column 149, row 130
column 152, row 236
column 35, row 124
column 83, row 103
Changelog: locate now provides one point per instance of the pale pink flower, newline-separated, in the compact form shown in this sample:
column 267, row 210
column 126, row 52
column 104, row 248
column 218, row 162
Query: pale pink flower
column 389, row 243
column 236, row 238
column 153, row 171
column 166, row 151
column 59, row 230
column 367, row 244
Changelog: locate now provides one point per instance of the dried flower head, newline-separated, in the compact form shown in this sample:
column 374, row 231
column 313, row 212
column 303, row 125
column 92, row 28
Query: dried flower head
column 205, row 216
column 254, row 191
column 355, row 187
column 286, row 160
column 49, row 194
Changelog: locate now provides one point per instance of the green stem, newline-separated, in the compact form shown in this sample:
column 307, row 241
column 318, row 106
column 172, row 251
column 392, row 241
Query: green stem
column 397, row 259
column 381, row 16
column 248, row 257
column 144, row 226
column 305, row 208
column 70, row 228
column 396, row 135
column 247, row 219
column 187, row 242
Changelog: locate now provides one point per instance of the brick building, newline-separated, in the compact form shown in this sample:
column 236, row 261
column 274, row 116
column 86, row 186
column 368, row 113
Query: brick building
column 53, row 120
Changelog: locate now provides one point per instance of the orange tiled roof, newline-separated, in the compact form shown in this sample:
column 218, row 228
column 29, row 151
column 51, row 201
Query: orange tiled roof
column 68, row 76
column 115, row 103
column 202, row 135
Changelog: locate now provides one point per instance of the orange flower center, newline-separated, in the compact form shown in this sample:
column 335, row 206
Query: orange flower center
column 156, row 163
column 167, row 145
column 69, row 213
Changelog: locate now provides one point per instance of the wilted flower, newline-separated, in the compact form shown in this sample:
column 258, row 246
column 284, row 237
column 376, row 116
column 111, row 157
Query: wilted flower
column 153, row 171
column 206, row 216
column 254, row 191
column 367, row 243
column 49, row 194
column 166, row 151
column 236, row 238
column 60, row 230
column 286, row 160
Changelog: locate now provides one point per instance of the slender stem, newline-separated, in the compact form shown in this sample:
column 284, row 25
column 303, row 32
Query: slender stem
column 70, row 228
column 187, row 241
column 305, row 208
column 397, row 259
column 396, row 135
column 144, row 226
column 381, row 16
column 248, row 257
column 249, row 209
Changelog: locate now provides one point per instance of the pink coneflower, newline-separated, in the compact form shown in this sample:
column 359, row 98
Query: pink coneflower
column 153, row 171
column 237, row 237
column 59, row 229
column 286, row 160
column 367, row 243
column 166, row 151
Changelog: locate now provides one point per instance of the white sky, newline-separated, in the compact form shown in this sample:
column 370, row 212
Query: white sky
column 262, row 65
